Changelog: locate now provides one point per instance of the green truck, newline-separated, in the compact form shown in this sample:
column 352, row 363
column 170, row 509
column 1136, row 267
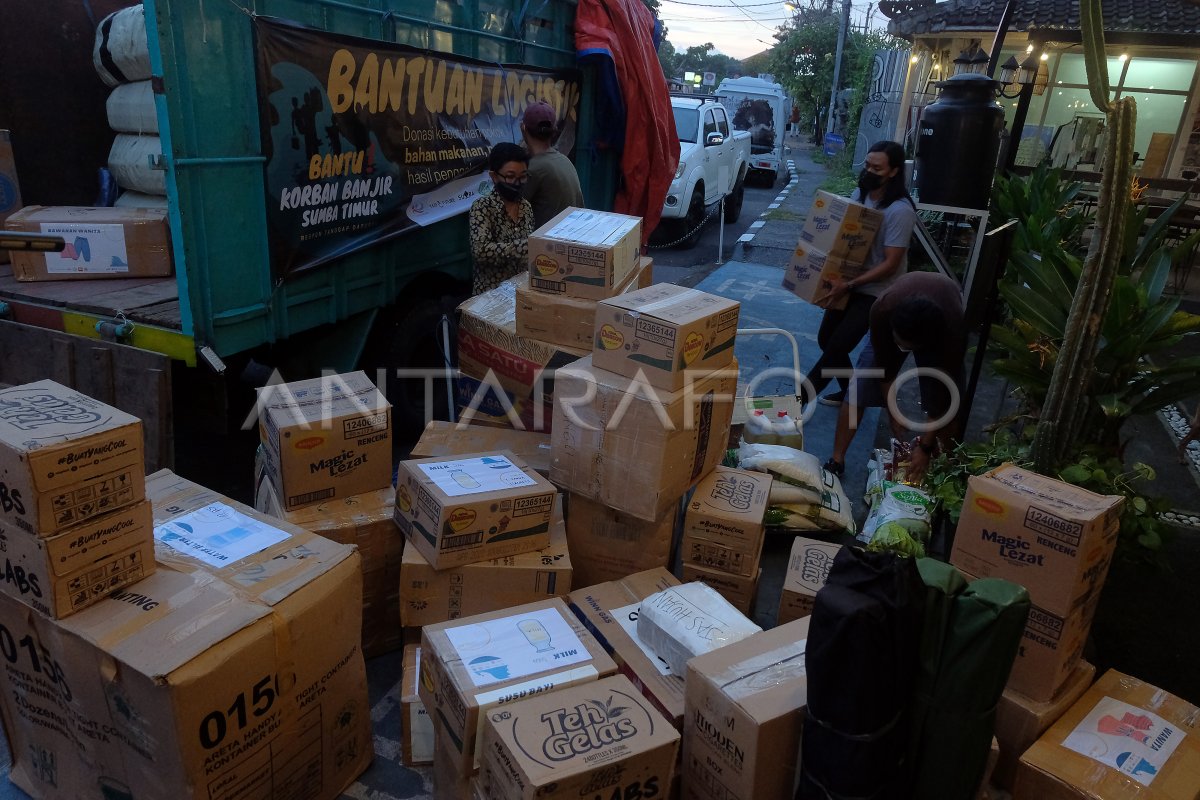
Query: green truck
column 197, row 342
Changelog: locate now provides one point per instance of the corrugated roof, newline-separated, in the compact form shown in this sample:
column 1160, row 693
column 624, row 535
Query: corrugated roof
column 1170, row 18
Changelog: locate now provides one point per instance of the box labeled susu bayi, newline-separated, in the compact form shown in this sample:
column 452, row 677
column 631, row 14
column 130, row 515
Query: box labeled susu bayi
column 65, row 458
column 600, row 739
column 474, row 664
column 723, row 525
column 584, row 253
column 662, row 332
column 460, row 510
column 325, row 437
column 1055, row 539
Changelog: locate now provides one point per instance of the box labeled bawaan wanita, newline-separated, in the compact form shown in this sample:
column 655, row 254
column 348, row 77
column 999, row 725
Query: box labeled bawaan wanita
column 663, row 332
column 365, row 521
column 841, row 227
column 1021, row 720
column 65, row 458
column 632, row 450
column 100, row 243
column 62, row 574
column 807, row 570
column 472, row 665
column 416, row 726
column 235, row 665
column 610, row 612
column 325, row 438
column 723, row 525
column 566, row 320
column 600, row 739
column 1055, row 539
column 429, row 596
column 1123, row 740
column 744, row 717
column 584, row 253
column 607, row 544
column 460, row 510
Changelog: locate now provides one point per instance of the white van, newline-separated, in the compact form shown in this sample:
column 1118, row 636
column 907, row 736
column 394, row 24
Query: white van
column 760, row 107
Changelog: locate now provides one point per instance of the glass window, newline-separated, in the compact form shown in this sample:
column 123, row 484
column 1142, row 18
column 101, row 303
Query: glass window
column 1071, row 70
column 1156, row 113
column 722, row 122
column 686, row 120
column 710, row 124
column 1160, row 73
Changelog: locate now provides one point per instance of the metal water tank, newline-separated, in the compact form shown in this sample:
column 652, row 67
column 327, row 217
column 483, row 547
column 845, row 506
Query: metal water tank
column 958, row 142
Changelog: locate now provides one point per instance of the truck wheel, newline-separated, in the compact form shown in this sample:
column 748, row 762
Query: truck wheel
column 733, row 203
column 691, row 222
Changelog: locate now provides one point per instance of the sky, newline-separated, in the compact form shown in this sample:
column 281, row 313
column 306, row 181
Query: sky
column 738, row 28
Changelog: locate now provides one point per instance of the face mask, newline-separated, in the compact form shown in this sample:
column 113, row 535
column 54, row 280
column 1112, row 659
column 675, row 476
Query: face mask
column 508, row 191
column 869, row 181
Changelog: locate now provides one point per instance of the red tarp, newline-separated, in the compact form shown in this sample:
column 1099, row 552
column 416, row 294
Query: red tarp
column 623, row 30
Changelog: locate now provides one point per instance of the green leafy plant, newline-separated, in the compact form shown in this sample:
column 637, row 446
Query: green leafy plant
column 1046, row 205
column 947, row 476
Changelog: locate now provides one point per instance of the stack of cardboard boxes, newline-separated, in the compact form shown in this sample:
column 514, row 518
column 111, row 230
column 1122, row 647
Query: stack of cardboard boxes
column 1056, row 540
column 723, row 533
column 180, row 642
column 325, row 465
column 543, row 319
column 640, row 421
column 834, row 243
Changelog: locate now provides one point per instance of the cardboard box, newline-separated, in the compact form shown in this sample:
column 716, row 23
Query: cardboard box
column 101, row 243
column 744, row 711
column 365, row 521
column 807, row 570
column 584, row 253
column 65, row 458
column 809, row 273
column 1053, row 538
column 739, row 590
column 1051, row 648
column 460, row 439
column 601, row 739
column 464, row 509
column 1020, row 721
column 416, row 726
column 610, row 612
column 450, row 782
column 74, row 569
column 428, row 596
column 10, row 187
column 607, row 545
column 505, row 378
column 201, row 680
column 474, row 664
column 664, row 332
column 1123, row 740
column 565, row 320
column 637, row 451
column 840, row 227
column 723, row 525
column 325, row 438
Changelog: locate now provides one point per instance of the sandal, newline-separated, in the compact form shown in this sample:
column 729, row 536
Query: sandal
column 835, row 467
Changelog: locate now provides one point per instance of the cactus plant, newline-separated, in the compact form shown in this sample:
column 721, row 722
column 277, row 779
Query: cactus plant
column 1064, row 412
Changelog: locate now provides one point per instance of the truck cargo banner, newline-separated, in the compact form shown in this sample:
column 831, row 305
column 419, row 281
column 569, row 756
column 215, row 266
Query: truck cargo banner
column 365, row 139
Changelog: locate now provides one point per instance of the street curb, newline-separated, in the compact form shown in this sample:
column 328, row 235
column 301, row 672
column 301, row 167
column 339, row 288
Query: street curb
column 739, row 246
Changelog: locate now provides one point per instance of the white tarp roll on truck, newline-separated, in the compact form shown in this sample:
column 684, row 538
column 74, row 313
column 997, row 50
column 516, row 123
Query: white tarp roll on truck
column 760, row 107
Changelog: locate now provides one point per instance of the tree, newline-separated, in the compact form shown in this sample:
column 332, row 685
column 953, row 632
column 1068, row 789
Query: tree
column 704, row 58
column 803, row 59
column 759, row 62
column 669, row 59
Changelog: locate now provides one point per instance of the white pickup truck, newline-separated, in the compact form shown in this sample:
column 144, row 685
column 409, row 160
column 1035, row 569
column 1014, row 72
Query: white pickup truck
column 712, row 164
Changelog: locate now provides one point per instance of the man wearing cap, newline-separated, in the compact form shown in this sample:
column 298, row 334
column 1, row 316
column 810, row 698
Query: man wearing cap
column 553, row 183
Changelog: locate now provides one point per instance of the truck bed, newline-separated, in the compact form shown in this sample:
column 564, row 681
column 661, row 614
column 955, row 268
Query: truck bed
column 151, row 301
